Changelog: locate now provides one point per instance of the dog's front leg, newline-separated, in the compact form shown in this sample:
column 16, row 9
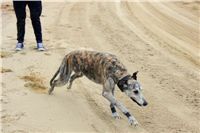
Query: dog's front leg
column 112, row 108
column 107, row 93
column 114, row 112
column 111, row 98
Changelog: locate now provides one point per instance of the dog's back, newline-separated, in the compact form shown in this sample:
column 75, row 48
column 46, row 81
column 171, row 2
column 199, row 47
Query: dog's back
column 96, row 66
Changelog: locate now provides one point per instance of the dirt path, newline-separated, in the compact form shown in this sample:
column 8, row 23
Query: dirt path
column 161, row 40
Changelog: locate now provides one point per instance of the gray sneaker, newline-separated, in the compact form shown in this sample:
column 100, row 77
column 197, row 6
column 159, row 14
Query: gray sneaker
column 19, row 46
column 40, row 47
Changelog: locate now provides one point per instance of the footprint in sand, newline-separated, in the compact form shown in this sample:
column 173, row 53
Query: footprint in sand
column 7, row 118
column 19, row 131
column 68, row 26
column 6, row 7
column 9, row 37
column 78, row 29
column 43, row 15
column 46, row 40
column 5, row 54
column 23, row 53
column 35, row 82
column 48, row 54
column 5, row 70
column 4, row 100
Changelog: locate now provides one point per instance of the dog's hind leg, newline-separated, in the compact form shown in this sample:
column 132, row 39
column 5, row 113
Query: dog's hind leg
column 73, row 77
column 59, row 82
column 64, row 74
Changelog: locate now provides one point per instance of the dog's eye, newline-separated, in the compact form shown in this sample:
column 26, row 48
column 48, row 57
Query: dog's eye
column 130, row 85
column 125, row 86
column 136, row 91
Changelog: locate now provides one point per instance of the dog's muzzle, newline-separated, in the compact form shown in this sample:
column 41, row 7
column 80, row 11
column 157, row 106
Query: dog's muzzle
column 144, row 103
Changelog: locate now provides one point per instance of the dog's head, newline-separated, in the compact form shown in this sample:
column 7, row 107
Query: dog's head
column 132, row 89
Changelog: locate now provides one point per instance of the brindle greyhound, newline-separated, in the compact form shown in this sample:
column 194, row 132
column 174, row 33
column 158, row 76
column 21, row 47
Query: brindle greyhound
column 105, row 69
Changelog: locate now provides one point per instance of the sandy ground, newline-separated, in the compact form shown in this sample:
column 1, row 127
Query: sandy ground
column 161, row 40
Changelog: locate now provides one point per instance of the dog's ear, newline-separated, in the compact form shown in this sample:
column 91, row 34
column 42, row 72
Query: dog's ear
column 134, row 76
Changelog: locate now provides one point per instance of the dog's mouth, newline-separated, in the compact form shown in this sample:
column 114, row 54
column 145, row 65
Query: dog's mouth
column 135, row 101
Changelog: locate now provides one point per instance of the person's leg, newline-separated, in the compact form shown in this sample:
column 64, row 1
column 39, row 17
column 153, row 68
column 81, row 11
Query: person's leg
column 20, row 11
column 35, row 12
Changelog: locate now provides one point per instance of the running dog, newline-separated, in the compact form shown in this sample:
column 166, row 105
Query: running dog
column 105, row 69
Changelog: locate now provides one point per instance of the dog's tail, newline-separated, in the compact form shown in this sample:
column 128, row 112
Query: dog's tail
column 54, row 76
column 63, row 71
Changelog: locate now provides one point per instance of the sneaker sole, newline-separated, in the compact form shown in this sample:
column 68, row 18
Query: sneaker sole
column 41, row 49
column 18, row 49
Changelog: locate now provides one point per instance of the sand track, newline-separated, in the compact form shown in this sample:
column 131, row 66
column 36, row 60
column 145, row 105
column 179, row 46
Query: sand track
column 161, row 40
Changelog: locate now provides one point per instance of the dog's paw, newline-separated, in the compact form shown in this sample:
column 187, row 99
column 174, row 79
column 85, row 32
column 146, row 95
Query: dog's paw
column 132, row 121
column 50, row 91
column 69, row 87
column 116, row 115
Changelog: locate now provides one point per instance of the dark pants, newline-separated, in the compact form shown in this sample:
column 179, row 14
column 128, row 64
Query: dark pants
column 35, row 12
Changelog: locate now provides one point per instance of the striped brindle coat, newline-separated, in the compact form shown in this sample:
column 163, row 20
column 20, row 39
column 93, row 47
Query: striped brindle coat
column 102, row 68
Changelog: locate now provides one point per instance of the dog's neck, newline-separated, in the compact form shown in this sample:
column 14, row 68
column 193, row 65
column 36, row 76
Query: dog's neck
column 122, row 82
column 121, row 75
column 124, row 75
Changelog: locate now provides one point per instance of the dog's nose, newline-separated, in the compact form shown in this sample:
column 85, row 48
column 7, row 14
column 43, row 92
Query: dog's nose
column 145, row 103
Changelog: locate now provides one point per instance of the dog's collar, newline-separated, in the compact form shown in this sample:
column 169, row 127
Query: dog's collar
column 123, row 81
